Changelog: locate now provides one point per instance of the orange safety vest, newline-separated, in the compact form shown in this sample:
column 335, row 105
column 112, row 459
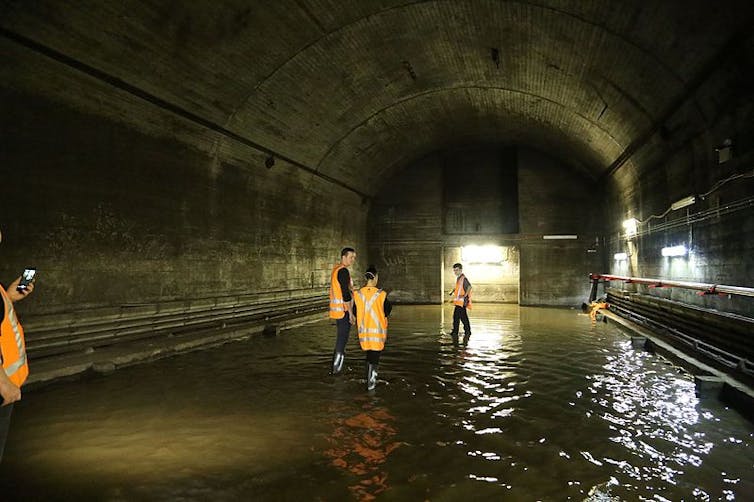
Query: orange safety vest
column 338, row 307
column 12, row 344
column 595, row 307
column 370, row 311
column 459, row 293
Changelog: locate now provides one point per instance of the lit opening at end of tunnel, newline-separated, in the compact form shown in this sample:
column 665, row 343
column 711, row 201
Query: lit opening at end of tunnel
column 487, row 253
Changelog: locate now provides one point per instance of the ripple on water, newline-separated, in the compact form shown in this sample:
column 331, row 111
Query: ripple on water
column 536, row 404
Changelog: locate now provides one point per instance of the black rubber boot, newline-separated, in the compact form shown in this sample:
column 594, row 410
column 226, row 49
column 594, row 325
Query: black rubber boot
column 371, row 376
column 338, row 358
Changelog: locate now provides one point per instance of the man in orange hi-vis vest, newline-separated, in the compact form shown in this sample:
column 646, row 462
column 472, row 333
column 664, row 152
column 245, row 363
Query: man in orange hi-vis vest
column 462, row 300
column 341, row 306
column 372, row 311
column 13, row 352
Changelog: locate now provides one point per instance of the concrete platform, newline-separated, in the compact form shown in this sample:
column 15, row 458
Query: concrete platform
column 107, row 359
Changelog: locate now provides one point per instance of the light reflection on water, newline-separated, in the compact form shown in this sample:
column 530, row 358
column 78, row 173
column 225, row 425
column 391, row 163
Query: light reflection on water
column 360, row 444
column 538, row 404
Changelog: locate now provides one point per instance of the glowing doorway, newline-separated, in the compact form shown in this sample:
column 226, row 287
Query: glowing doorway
column 492, row 270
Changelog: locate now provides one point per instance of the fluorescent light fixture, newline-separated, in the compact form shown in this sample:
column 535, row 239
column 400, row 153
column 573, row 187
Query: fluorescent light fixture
column 631, row 226
column 675, row 251
column 559, row 237
column 482, row 254
column 620, row 256
column 685, row 202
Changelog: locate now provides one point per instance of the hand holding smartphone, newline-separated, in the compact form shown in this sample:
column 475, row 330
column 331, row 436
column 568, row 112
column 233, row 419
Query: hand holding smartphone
column 26, row 278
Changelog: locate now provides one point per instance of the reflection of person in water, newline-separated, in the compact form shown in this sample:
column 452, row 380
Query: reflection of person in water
column 360, row 445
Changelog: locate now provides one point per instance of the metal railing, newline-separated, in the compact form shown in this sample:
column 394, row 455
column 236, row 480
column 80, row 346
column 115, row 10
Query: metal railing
column 705, row 288
column 681, row 332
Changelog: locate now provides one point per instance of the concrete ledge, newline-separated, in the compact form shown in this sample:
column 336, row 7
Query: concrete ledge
column 639, row 342
column 709, row 381
column 708, row 386
column 108, row 359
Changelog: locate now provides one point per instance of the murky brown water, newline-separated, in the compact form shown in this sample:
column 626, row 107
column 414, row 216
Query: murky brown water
column 540, row 405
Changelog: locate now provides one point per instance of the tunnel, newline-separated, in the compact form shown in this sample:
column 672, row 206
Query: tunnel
column 184, row 175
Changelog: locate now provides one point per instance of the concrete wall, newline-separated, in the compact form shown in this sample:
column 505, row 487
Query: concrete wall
column 555, row 201
column 111, row 214
column 689, row 158
column 421, row 218
column 404, row 231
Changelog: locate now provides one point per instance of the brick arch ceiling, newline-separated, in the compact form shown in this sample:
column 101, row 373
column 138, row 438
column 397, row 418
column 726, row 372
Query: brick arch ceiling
column 355, row 90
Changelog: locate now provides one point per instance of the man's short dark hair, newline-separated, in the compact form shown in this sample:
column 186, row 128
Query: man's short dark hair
column 458, row 265
column 345, row 251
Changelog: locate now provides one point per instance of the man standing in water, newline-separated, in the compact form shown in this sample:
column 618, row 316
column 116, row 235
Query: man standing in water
column 462, row 300
column 12, row 353
column 341, row 306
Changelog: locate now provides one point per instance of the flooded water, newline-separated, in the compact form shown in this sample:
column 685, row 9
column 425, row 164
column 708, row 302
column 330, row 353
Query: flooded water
column 538, row 405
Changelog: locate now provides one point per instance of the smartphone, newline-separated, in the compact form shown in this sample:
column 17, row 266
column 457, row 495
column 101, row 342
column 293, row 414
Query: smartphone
column 26, row 278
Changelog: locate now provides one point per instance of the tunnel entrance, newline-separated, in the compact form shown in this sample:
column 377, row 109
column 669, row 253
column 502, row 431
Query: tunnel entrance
column 492, row 270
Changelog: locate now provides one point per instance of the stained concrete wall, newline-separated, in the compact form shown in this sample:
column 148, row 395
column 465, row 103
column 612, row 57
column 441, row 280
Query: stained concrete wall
column 689, row 157
column 112, row 215
column 412, row 241
column 555, row 201
column 404, row 230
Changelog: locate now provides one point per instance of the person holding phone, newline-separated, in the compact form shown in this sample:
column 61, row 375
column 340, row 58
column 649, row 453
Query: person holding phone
column 13, row 353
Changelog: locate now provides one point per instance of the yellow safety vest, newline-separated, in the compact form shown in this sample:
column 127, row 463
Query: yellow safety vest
column 12, row 344
column 337, row 305
column 370, row 312
column 459, row 293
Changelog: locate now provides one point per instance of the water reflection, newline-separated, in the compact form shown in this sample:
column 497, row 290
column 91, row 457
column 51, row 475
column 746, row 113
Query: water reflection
column 360, row 445
column 481, row 374
column 489, row 364
column 651, row 416
column 538, row 405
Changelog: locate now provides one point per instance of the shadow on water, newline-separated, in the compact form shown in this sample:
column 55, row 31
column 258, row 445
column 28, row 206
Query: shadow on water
column 536, row 404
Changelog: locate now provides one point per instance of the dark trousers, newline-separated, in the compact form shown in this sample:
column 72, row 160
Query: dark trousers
column 344, row 329
column 459, row 314
column 373, row 356
column 5, row 412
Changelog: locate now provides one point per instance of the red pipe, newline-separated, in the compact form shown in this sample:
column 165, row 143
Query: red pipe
column 662, row 283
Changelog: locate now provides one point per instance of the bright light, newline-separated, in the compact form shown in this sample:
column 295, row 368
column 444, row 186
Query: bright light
column 685, row 202
column 482, row 254
column 631, row 225
column 675, row 251
column 620, row 256
column 560, row 237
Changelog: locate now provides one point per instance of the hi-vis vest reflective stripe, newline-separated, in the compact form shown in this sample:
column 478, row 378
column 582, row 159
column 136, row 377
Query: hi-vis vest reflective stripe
column 12, row 344
column 370, row 312
column 459, row 293
column 337, row 305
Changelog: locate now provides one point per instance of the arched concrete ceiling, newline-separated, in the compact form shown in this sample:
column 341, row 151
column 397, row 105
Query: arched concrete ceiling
column 358, row 89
